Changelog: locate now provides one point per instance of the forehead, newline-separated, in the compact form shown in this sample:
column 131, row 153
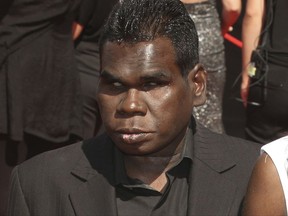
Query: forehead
column 159, row 45
column 157, row 54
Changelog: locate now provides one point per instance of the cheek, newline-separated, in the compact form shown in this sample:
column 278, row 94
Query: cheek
column 171, row 105
column 171, row 99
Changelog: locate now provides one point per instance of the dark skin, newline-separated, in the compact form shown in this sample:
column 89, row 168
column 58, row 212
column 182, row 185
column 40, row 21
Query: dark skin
column 146, row 105
column 265, row 195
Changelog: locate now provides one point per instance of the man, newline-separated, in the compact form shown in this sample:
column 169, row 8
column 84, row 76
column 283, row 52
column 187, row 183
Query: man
column 154, row 158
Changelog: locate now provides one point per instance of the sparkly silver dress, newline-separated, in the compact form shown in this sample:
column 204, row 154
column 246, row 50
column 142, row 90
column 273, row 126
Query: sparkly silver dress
column 212, row 56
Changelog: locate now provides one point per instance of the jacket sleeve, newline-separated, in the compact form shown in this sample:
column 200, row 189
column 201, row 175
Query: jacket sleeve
column 16, row 203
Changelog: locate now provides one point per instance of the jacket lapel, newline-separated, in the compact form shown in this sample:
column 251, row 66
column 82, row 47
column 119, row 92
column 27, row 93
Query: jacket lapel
column 94, row 197
column 95, row 194
column 210, row 192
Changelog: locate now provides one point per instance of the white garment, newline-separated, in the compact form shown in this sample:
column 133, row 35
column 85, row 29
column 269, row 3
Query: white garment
column 278, row 151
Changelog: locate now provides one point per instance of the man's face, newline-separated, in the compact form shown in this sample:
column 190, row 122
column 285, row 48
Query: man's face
column 145, row 102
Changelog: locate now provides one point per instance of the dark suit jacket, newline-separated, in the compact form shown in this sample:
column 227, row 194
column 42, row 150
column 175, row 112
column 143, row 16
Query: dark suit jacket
column 73, row 180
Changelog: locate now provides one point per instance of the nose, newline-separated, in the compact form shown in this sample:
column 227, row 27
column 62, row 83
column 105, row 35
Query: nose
column 132, row 104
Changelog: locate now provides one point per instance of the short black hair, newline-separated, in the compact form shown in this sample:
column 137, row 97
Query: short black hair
column 134, row 21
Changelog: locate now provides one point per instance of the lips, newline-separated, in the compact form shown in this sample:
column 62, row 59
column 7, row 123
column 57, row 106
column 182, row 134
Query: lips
column 131, row 136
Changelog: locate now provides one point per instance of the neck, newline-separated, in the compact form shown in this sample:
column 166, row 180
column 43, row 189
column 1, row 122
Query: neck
column 150, row 164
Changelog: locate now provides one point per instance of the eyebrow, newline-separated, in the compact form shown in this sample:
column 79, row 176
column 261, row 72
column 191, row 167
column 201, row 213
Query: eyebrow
column 146, row 77
column 106, row 75
column 155, row 75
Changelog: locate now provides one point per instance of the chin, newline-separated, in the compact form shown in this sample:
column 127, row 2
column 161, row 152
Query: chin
column 133, row 149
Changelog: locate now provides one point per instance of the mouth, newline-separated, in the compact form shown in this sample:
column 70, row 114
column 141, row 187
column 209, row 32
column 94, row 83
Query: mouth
column 132, row 136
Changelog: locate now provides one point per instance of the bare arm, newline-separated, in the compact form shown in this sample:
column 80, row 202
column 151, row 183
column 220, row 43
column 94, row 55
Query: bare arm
column 265, row 194
column 251, row 28
column 231, row 10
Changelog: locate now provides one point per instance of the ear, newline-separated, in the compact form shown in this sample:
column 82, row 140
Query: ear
column 197, row 79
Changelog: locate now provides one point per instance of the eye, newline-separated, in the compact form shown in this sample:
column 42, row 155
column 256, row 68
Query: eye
column 152, row 85
column 117, row 84
column 111, row 86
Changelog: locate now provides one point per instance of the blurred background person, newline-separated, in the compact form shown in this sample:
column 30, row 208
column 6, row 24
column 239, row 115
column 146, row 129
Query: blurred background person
column 212, row 54
column 267, row 121
column 40, row 88
column 87, row 28
column 40, row 100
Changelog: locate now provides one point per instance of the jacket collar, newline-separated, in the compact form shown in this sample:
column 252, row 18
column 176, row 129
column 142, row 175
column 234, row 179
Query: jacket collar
column 95, row 196
column 211, row 149
column 210, row 192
